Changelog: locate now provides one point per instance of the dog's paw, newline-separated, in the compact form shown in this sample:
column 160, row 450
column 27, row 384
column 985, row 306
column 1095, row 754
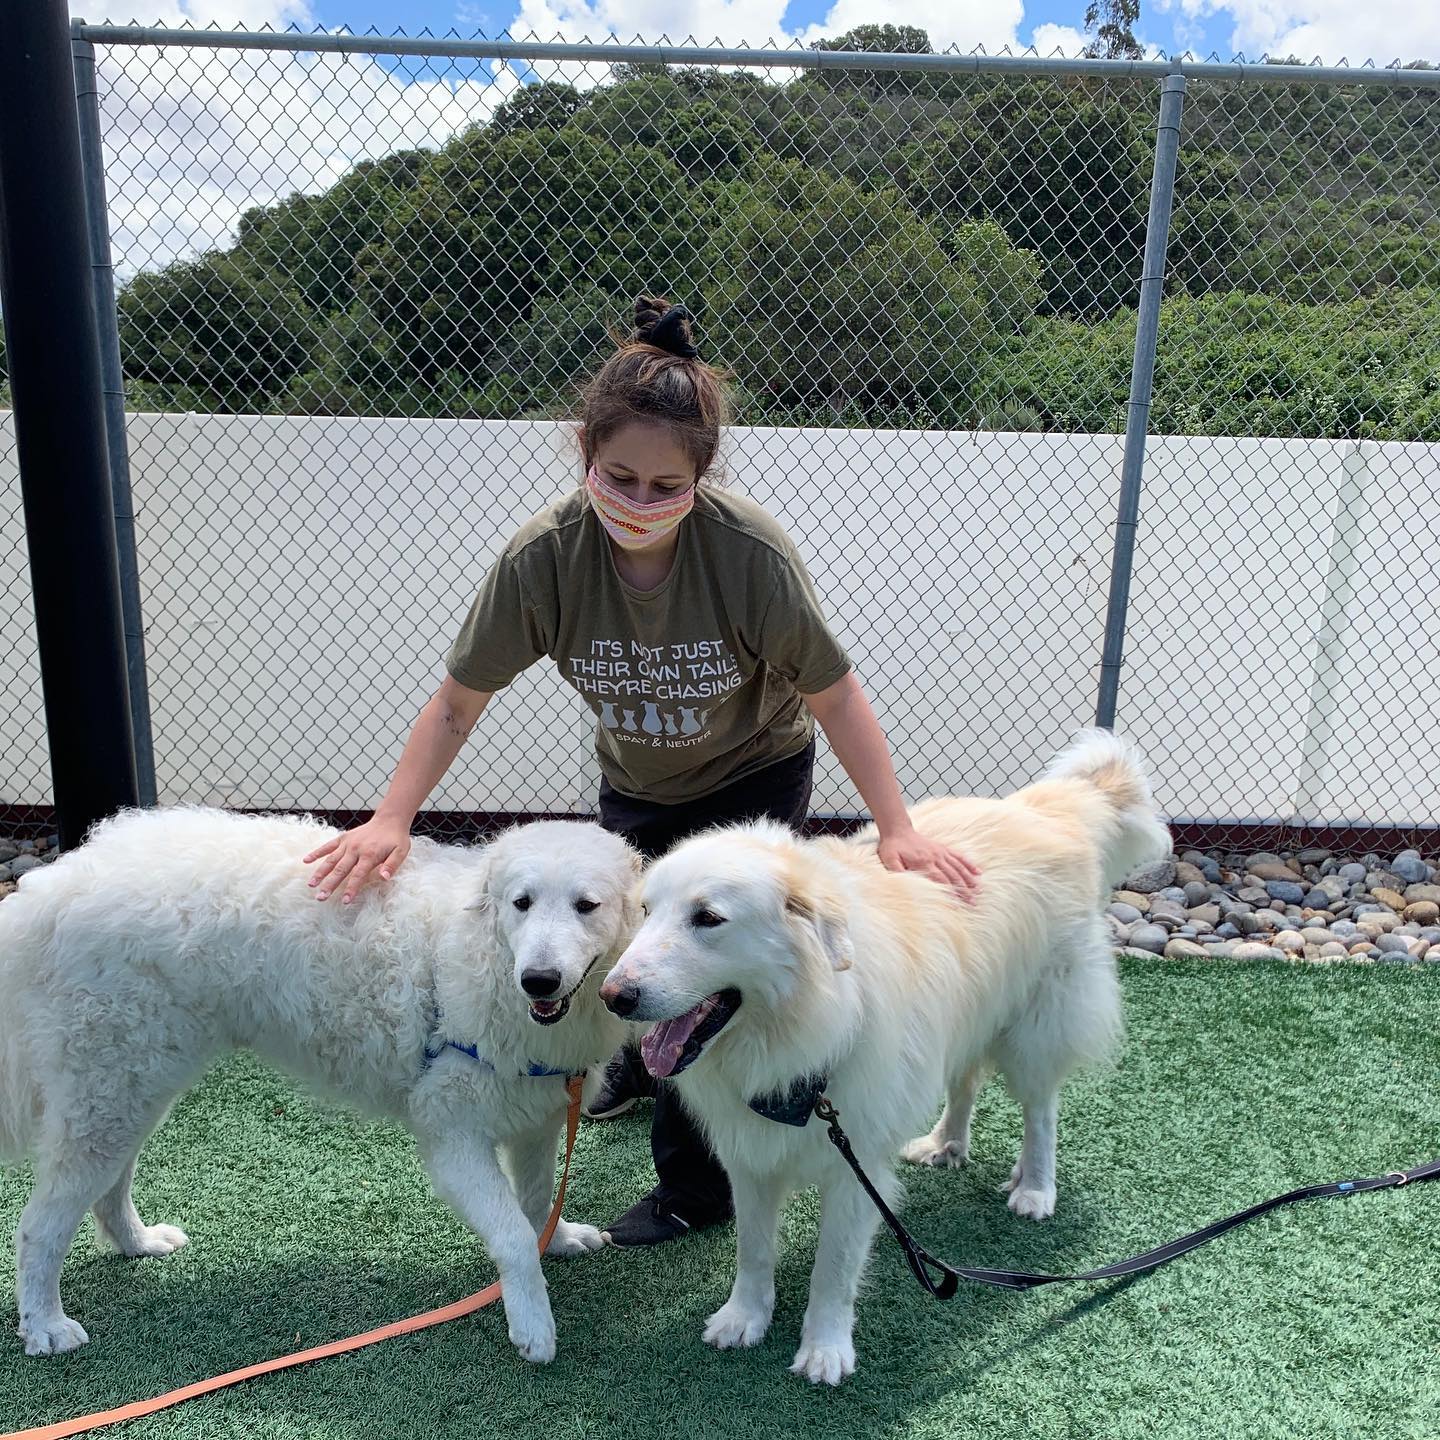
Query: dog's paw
column 735, row 1326
column 1017, row 1174
column 1035, row 1202
column 57, row 1336
column 570, row 1240
column 823, row 1363
column 534, row 1338
column 157, row 1240
column 926, row 1150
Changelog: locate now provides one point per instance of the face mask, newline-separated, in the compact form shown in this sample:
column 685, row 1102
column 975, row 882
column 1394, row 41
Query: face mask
column 632, row 526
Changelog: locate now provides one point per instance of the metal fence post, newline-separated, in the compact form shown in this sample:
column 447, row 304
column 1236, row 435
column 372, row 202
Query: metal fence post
column 92, row 161
column 1142, row 375
column 60, row 422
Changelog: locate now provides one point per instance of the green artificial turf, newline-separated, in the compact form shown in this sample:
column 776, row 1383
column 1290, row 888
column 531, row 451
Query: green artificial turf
column 1237, row 1081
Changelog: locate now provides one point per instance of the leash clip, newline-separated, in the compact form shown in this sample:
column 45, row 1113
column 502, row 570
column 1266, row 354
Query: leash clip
column 1398, row 1176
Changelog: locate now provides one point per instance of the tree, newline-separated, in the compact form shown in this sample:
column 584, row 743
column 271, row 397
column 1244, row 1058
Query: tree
column 502, row 227
column 218, row 327
column 310, row 241
column 704, row 131
column 1065, row 171
column 873, row 40
column 1238, row 364
column 832, row 300
column 1112, row 22
column 545, row 105
column 861, row 247
column 880, row 40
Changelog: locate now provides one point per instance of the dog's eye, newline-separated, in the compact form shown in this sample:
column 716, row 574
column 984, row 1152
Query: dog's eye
column 644, row 908
column 707, row 919
column 522, row 902
column 585, row 907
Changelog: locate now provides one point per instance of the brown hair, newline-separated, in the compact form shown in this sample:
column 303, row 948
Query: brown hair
column 657, row 377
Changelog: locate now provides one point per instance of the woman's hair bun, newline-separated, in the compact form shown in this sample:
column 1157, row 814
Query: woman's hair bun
column 665, row 326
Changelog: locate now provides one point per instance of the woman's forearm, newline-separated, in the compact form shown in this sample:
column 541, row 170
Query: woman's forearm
column 440, row 730
column 859, row 744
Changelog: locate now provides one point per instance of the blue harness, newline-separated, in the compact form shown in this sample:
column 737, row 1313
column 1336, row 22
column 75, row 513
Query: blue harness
column 435, row 1047
column 533, row 1071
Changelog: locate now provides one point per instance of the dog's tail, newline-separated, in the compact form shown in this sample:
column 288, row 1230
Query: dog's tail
column 1135, row 834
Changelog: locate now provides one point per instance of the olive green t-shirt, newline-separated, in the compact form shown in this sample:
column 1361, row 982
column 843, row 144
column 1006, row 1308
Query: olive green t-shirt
column 694, row 684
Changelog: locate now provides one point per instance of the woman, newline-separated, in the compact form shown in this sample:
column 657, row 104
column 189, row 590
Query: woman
column 685, row 618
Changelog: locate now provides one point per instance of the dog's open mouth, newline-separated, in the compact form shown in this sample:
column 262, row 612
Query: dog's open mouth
column 551, row 1012
column 675, row 1045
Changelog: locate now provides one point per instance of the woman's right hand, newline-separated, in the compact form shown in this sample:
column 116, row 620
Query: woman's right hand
column 380, row 845
column 356, row 857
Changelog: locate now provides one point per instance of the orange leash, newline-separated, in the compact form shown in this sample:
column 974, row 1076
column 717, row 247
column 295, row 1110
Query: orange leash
column 478, row 1301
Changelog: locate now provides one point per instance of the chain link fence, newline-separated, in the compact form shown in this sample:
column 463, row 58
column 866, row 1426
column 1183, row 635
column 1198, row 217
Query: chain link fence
column 1305, row 282
column 357, row 292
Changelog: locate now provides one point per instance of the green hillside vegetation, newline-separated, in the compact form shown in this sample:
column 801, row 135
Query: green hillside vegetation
column 861, row 248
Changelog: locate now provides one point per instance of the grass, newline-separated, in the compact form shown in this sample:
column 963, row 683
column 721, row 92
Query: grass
column 1236, row 1082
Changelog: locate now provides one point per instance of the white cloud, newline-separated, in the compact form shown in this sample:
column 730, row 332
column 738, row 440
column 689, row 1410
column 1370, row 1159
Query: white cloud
column 964, row 23
column 991, row 25
column 1066, row 40
column 193, row 137
column 1059, row 39
column 728, row 22
column 1337, row 30
column 1187, row 28
column 1334, row 31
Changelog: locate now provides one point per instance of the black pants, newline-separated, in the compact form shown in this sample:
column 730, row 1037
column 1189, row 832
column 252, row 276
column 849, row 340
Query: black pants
column 692, row 1181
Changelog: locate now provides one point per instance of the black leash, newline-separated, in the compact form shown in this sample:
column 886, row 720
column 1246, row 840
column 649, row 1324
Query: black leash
column 925, row 1265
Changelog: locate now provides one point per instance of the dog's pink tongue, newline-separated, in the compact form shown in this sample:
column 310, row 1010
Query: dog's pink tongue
column 663, row 1045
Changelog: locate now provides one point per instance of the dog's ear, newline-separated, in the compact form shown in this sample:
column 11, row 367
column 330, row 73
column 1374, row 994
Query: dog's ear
column 631, row 914
column 826, row 926
column 484, row 870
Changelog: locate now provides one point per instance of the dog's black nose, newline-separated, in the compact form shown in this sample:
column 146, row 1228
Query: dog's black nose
column 540, row 983
column 620, row 999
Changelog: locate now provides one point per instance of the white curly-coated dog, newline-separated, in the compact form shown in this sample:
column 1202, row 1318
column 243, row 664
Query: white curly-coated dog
column 455, row 999
column 776, row 967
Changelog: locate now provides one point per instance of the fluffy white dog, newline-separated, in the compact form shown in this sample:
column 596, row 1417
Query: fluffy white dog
column 780, row 967
column 455, row 1000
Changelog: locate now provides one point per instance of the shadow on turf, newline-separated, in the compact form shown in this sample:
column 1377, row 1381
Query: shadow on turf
column 630, row 1320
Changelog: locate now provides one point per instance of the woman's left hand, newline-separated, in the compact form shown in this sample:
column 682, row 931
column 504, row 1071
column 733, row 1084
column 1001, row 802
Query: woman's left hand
column 910, row 850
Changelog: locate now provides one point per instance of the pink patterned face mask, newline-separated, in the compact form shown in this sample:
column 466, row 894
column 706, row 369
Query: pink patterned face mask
column 632, row 526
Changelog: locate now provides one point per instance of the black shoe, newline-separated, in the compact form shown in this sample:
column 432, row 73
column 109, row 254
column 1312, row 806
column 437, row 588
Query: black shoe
column 626, row 1083
column 652, row 1222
